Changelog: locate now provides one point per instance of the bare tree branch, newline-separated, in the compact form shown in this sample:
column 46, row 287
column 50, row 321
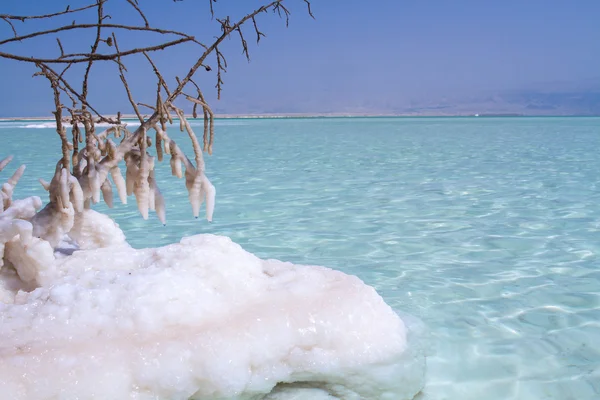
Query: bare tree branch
column 87, row 57
column 244, row 44
column 279, row 8
column 24, row 18
column 221, row 67
column 62, row 51
column 92, row 26
column 134, row 5
column 84, row 91
column 122, row 75
column 161, row 80
column 217, row 42
column 309, row 10
column 101, row 156
column 212, row 11
column 11, row 25
column 258, row 32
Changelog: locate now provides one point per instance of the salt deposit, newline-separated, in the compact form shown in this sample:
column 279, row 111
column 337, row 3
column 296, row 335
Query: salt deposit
column 200, row 319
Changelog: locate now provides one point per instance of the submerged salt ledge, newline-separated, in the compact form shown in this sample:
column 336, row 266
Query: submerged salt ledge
column 200, row 319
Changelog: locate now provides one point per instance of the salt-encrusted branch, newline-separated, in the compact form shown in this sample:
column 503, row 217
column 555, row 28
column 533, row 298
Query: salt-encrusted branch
column 14, row 214
column 83, row 175
column 209, row 126
column 64, row 85
column 199, row 187
column 6, row 191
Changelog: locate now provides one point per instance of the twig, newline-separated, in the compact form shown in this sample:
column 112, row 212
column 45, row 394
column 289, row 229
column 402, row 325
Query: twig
column 11, row 25
column 87, row 57
column 92, row 26
column 124, row 80
column 221, row 67
column 280, row 7
column 244, row 44
column 212, row 11
column 161, row 80
column 134, row 5
column 258, row 32
column 217, row 42
column 84, row 91
column 62, row 52
column 147, row 106
column 23, row 18
column 309, row 10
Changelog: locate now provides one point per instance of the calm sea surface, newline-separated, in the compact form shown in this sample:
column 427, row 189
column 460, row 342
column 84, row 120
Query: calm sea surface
column 488, row 229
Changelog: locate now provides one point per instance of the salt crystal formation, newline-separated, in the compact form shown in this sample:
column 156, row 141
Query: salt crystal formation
column 85, row 316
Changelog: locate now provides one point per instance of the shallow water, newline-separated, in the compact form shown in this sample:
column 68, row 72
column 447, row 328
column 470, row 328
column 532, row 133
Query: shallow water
column 488, row 229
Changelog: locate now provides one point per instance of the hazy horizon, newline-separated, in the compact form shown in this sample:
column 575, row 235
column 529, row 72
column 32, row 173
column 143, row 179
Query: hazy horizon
column 434, row 58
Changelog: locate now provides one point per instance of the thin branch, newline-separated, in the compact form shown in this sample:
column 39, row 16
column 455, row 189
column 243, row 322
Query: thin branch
column 69, row 88
column 92, row 26
column 280, row 7
column 221, row 67
column 225, row 25
column 217, row 42
column 258, row 32
column 60, row 129
column 309, row 10
column 87, row 57
column 62, row 51
column 161, row 80
column 23, row 18
column 124, row 80
column 244, row 44
column 209, row 131
column 11, row 25
column 212, row 12
column 147, row 106
column 209, row 126
column 64, row 70
column 134, row 5
column 84, row 91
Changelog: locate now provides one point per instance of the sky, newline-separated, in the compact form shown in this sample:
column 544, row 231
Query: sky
column 381, row 56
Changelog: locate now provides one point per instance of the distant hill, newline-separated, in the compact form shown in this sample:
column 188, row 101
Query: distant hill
column 547, row 99
column 552, row 99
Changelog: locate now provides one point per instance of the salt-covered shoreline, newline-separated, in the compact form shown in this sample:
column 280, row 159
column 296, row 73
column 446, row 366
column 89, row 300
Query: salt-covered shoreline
column 200, row 319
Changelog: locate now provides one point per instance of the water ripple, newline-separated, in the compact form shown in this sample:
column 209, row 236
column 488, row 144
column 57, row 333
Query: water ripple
column 487, row 229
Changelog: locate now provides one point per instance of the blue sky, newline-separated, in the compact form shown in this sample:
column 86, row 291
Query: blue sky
column 356, row 55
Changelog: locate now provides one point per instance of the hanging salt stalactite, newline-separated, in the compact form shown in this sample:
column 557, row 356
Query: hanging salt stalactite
column 107, row 193
column 119, row 181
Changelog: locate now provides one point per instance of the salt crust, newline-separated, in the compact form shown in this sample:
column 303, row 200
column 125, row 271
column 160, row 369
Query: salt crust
column 93, row 318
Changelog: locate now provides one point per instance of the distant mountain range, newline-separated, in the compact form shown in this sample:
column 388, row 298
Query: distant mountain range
column 549, row 99
column 557, row 99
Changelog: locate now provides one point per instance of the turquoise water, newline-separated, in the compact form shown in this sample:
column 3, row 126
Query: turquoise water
column 488, row 229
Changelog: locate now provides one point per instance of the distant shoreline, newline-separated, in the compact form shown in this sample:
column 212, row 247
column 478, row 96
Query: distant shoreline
column 335, row 115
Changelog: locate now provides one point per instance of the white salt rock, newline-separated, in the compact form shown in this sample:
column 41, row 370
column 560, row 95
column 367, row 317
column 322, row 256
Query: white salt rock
column 201, row 319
